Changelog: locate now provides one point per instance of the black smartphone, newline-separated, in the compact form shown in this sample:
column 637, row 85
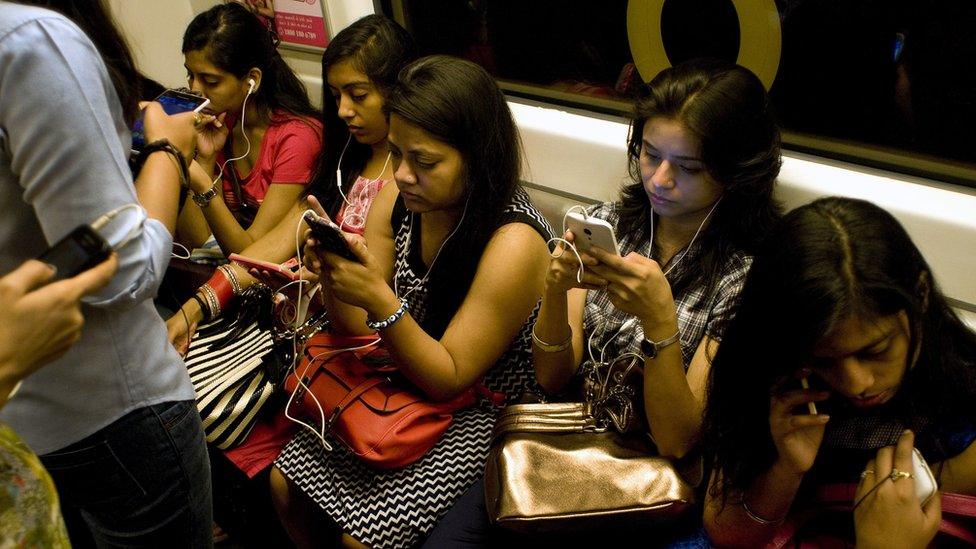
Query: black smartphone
column 329, row 236
column 81, row 250
column 173, row 102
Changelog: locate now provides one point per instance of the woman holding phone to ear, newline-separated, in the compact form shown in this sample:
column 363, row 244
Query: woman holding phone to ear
column 841, row 296
column 256, row 156
column 359, row 67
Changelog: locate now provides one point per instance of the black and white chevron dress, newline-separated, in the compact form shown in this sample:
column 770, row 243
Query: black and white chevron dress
column 394, row 509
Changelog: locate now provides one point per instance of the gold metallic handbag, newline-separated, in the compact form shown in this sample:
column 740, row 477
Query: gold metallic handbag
column 567, row 466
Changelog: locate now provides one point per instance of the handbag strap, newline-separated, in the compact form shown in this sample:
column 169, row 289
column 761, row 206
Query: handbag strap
column 840, row 497
column 496, row 398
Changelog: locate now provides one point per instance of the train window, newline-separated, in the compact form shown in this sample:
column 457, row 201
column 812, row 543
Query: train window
column 886, row 83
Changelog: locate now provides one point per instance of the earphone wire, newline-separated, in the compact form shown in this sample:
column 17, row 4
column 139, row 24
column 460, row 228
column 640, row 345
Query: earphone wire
column 107, row 217
column 363, row 192
column 396, row 277
column 339, row 169
column 300, row 384
column 247, row 150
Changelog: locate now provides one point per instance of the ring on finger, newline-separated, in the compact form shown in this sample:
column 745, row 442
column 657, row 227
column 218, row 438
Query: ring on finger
column 197, row 119
column 897, row 475
column 866, row 472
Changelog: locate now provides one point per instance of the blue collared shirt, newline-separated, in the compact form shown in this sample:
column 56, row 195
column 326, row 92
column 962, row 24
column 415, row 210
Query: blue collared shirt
column 63, row 151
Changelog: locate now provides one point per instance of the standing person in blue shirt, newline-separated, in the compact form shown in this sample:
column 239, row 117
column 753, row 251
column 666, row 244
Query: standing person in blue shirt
column 113, row 419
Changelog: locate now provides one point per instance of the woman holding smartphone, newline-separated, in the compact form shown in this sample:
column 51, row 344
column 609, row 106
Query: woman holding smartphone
column 453, row 258
column 256, row 156
column 360, row 66
column 703, row 155
column 840, row 296
column 113, row 420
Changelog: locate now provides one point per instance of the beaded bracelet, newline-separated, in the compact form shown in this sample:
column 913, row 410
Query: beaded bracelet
column 390, row 320
column 232, row 277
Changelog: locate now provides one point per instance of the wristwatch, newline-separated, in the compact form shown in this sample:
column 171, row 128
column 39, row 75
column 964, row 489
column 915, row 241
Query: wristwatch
column 203, row 199
column 650, row 349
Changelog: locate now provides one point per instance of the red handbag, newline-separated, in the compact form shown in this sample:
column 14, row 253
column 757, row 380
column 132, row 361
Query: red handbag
column 352, row 384
column 958, row 514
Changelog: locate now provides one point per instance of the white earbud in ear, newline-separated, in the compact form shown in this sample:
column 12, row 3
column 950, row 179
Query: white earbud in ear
column 250, row 85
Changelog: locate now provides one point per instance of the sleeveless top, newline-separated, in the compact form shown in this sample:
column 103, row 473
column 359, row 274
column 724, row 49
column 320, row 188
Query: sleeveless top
column 397, row 508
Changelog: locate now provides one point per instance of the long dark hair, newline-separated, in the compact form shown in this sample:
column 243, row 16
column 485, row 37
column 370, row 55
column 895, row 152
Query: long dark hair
column 378, row 48
column 92, row 17
column 457, row 102
column 825, row 262
column 236, row 41
column 726, row 107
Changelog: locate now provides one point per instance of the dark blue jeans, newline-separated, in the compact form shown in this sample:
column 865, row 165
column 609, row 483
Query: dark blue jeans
column 143, row 481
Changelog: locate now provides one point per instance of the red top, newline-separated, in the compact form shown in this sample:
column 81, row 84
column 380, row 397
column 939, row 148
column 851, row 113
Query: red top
column 288, row 154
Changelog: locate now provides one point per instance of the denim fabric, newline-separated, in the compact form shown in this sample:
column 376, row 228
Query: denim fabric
column 466, row 526
column 143, row 481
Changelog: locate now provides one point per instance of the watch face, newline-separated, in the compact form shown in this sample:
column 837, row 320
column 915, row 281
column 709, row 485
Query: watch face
column 648, row 348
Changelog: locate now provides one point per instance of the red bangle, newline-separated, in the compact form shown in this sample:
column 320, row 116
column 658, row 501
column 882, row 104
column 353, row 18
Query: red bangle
column 222, row 288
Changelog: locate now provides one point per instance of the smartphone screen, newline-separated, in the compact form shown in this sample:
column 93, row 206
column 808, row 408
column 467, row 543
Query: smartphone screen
column 81, row 250
column 173, row 102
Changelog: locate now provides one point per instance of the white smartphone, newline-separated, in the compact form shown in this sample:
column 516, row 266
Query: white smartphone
column 925, row 486
column 591, row 231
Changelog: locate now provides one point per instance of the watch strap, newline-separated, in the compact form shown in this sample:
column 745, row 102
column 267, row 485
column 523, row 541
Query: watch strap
column 651, row 348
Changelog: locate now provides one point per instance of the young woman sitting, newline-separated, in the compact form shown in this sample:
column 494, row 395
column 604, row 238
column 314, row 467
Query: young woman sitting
column 255, row 157
column 456, row 250
column 703, row 154
column 842, row 356
column 360, row 67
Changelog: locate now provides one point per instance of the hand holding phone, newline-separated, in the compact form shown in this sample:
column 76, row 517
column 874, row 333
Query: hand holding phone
column 329, row 236
column 80, row 250
column 591, row 231
column 925, row 485
column 173, row 102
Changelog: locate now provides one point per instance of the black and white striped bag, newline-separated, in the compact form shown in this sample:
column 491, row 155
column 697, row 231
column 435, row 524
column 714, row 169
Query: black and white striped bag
column 235, row 365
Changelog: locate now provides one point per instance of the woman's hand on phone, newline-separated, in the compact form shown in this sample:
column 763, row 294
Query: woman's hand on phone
column 561, row 276
column 888, row 513
column 179, row 129
column 636, row 285
column 797, row 436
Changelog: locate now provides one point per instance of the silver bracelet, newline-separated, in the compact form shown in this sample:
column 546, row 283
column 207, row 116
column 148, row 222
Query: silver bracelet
column 759, row 519
column 552, row 347
column 232, row 277
column 378, row 325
